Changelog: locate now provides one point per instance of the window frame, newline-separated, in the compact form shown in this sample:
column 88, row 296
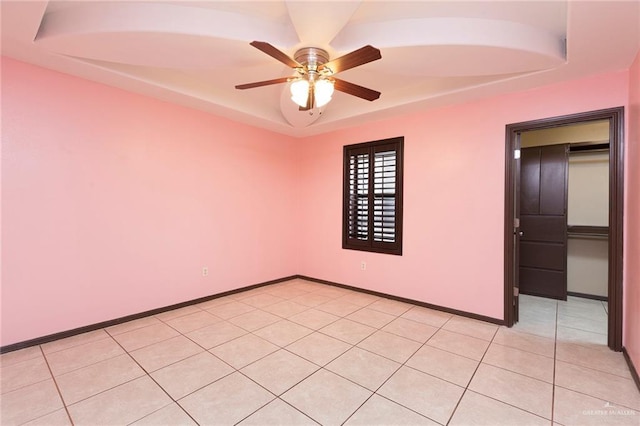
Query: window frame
column 394, row 248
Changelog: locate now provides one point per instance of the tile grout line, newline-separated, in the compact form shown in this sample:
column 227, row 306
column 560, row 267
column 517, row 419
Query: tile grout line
column 581, row 344
column 113, row 336
column 472, row 376
column 21, row 387
column 205, row 350
column 595, row 369
column 441, row 327
column 252, row 333
column 522, row 350
column 190, row 331
column 108, row 335
column 190, row 356
column 181, row 314
column 154, row 381
column 533, row 334
column 104, row 390
column 509, row 405
column 278, row 397
column 597, row 397
column 55, row 382
column 320, row 367
column 416, row 351
column 77, row 345
column 320, row 332
column 403, row 364
column 298, row 410
column 232, row 367
column 501, row 368
column 583, row 330
column 555, row 357
column 324, row 367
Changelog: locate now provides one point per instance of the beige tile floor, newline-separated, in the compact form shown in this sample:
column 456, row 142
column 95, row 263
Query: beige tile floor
column 299, row 353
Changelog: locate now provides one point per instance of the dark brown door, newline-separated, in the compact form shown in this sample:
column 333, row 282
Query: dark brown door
column 543, row 221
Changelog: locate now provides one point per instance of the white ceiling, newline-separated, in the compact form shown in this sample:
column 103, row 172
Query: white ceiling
column 434, row 53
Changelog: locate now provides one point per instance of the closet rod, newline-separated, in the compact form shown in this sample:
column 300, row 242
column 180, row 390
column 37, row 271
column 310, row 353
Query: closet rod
column 590, row 236
column 588, row 231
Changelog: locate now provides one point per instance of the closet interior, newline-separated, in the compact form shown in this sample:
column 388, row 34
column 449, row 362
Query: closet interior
column 564, row 202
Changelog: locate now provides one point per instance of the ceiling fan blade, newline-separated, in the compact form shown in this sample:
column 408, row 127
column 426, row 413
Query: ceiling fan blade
column 355, row 90
column 262, row 83
column 354, row 59
column 311, row 99
column 275, row 53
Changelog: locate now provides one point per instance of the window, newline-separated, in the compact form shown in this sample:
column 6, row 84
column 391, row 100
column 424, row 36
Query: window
column 372, row 196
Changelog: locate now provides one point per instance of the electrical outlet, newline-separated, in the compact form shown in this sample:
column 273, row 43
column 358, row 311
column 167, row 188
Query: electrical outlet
column 363, row 265
column 205, row 271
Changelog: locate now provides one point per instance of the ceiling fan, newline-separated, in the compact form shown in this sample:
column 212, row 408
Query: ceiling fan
column 315, row 82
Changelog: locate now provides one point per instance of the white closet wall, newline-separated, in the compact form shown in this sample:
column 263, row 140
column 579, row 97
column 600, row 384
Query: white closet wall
column 588, row 205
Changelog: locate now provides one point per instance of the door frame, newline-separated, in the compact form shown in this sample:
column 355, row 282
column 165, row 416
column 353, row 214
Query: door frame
column 615, row 116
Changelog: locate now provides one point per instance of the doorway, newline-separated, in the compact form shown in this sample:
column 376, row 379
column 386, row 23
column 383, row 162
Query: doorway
column 512, row 230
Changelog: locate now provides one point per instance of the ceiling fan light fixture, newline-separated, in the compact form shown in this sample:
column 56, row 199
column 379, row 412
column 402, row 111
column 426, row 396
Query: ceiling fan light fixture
column 300, row 92
column 314, row 84
column 323, row 90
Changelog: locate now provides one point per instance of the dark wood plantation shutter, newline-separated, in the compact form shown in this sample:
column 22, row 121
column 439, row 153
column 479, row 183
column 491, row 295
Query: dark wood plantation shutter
column 373, row 196
column 384, row 194
column 358, row 228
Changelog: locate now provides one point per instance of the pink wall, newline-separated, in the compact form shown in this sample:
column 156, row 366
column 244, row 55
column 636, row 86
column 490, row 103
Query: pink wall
column 631, row 336
column 113, row 202
column 453, row 200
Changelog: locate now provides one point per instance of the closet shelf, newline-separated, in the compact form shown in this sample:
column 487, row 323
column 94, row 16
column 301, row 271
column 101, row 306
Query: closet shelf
column 589, row 147
column 588, row 231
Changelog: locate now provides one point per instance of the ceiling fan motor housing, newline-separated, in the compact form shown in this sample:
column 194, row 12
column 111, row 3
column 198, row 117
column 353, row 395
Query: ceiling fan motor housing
column 312, row 58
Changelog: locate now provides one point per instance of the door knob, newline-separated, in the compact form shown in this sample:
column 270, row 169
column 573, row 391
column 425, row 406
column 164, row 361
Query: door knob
column 521, row 233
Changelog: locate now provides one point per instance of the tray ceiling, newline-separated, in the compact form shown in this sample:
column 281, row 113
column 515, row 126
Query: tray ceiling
column 434, row 53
